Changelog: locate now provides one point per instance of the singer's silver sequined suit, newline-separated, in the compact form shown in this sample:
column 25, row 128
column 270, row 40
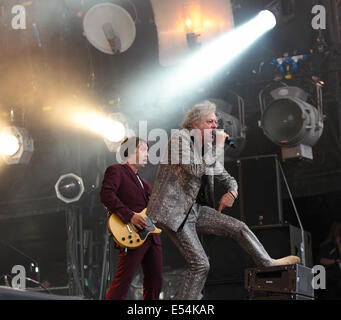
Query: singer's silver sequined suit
column 173, row 205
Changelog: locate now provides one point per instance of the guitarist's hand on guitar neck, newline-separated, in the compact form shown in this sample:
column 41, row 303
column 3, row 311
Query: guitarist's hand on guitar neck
column 138, row 221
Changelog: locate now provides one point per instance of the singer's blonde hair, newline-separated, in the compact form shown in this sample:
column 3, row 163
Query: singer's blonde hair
column 197, row 113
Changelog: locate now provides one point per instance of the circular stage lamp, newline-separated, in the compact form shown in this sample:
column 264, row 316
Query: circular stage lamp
column 289, row 121
column 116, row 132
column 16, row 145
column 109, row 28
column 279, row 11
column 69, row 188
column 9, row 145
column 119, row 130
column 268, row 18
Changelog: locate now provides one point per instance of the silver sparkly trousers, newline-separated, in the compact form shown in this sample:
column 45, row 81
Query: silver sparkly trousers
column 206, row 220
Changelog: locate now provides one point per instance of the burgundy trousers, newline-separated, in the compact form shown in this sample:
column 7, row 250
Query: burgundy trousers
column 149, row 255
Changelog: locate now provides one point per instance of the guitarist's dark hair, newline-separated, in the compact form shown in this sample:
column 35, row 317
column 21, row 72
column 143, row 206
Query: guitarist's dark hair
column 127, row 143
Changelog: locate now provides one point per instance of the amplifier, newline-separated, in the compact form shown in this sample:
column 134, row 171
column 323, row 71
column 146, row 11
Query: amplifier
column 289, row 279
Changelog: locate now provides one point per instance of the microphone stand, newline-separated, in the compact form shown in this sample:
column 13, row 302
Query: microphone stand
column 297, row 216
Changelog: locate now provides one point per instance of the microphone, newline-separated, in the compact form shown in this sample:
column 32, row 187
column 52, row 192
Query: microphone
column 229, row 142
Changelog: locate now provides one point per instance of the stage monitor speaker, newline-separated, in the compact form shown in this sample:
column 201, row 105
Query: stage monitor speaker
column 283, row 240
column 287, row 279
column 228, row 260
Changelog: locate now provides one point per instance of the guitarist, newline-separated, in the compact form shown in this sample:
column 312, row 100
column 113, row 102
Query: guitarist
column 125, row 192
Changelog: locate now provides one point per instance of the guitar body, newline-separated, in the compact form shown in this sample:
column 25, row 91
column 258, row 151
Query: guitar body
column 128, row 235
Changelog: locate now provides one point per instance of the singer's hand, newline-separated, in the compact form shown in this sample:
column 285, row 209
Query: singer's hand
column 226, row 201
column 221, row 136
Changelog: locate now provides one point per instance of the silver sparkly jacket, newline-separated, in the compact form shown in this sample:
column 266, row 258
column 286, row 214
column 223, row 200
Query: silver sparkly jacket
column 178, row 179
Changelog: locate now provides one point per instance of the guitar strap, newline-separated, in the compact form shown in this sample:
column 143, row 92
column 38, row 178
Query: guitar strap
column 138, row 178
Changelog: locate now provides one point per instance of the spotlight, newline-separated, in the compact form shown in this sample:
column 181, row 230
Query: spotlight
column 69, row 188
column 218, row 54
column 292, row 123
column 9, row 145
column 118, row 130
column 282, row 10
column 115, row 133
column 113, row 127
column 16, row 146
column 184, row 25
column 267, row 18
column 109, row 28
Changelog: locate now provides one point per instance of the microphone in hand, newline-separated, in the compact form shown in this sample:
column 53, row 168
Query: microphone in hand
column 229, row 142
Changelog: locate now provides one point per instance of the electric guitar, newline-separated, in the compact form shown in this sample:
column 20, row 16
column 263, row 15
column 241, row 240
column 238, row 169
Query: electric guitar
column 128, row 235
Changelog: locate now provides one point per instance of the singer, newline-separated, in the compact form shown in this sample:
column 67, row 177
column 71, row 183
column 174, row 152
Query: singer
column 183, row 199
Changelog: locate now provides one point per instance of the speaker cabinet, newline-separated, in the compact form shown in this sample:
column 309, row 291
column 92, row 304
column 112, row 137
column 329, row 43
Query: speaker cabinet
column 259, row 188
column 228, row 260
column 285, row 279
column 283, row 240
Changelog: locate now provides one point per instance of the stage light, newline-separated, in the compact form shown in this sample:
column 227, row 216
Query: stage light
column 69, row 188
column 109, row 28
column 109, row 127
column 227, row 47
column 122, row 130
column 267, row 19
column 282, row 10
column 116, row 132
column 292, row 123
column 184, row 25
column 9, row 145
column 16, row 146
column 113, row 127
column 218, row 53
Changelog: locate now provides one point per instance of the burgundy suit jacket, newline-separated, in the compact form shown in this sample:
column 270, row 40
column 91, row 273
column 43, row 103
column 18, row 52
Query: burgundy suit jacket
column 123, row 194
